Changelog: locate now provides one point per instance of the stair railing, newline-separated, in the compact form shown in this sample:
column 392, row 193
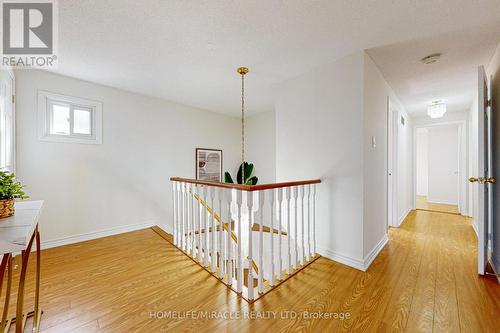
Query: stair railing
column 247, row 236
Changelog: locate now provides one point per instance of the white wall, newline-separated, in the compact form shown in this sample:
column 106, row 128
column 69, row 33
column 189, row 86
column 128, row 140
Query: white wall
column 443, row 164
column 376, row 92
column 124, row 181
column 422, row 161
column 319, row 134
column 260, row 134
column 325, row 121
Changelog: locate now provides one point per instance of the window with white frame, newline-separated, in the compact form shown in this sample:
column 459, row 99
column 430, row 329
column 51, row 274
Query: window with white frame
column 7, row 144
column 69, row 119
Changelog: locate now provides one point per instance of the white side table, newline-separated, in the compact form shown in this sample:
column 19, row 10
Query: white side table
column 17, row 233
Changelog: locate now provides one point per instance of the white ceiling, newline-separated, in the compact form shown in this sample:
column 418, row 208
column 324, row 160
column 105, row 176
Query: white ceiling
column 187, row 50
column 453, row 78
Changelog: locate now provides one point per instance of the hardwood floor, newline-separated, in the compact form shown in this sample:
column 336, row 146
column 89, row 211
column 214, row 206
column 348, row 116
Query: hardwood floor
column 423, row 204
column 424, row 280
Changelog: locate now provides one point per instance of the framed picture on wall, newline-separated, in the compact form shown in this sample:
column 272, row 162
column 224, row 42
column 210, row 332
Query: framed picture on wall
column 208, row 164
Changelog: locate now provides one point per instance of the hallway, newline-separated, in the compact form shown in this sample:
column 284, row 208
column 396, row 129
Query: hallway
column 438, row 288
column 424, row 280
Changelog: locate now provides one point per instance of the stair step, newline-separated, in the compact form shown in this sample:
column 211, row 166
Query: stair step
column 256, row 227
column 217, row 228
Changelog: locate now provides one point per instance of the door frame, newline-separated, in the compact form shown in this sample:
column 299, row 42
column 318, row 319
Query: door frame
column 462, row 186
column 392, row 165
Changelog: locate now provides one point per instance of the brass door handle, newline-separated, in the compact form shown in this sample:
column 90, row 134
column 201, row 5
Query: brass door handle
column 482, row 180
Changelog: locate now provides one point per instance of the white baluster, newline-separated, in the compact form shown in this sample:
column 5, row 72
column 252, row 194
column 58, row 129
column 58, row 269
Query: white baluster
column 188, row 215
column 174, row 218
column 229, row 270
column 192, row 227
column 204, row 236
column 213, row 248
column 199, row 212
column 280, row 222
column 271, row 235
column 296, row 258
column 187, row 192
column 239, row 265
column 184, row 217
column 185, row 228
column 199, row 225
column 194, row 204
column 199, row 238
column 314, row 219
column 289, row 233
column 179, row 212
column 192, row 211
column 302, row 189
column 308, row 192
column 261, row 242
column 188, row 203
column 222, row 247
column 250, row 245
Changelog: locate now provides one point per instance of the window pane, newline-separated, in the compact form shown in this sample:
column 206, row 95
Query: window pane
column 3, row 134
column 81, row 121
column 9, row 144
column 60, row 120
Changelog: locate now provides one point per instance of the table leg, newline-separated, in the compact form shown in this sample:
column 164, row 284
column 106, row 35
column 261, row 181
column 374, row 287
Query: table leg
column 37, row 311
column 6, row 264
column 20, row 317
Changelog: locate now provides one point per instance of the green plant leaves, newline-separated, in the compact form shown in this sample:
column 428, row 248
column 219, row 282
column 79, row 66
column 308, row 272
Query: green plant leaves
column 228, row 178
column 248, row 179
column 248, row 172
column 10, row 188
column 252, row 181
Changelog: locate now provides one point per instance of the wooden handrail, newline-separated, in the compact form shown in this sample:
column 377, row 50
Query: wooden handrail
column 249, row 188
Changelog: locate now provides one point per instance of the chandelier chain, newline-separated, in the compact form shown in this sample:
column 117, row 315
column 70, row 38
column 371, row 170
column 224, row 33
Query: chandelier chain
column 243, row 128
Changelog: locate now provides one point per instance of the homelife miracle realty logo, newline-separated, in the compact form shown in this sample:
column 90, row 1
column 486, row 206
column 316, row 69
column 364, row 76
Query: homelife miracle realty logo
column 29, row 34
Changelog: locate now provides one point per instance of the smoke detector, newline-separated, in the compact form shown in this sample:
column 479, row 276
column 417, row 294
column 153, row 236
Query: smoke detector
column 431, row 58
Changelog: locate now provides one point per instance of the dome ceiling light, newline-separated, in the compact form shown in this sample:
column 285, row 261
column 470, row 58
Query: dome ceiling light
column 436, row 109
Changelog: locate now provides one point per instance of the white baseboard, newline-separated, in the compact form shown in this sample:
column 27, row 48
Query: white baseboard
column 438, row 202
column 375, row 251
column 165, row 227
column 474, row 226
column 94, row 235
column 342, row 258
column 359, row 264
column 403, row 217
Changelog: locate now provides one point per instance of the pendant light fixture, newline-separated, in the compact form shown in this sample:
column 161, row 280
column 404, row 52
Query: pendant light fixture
column 242, row 71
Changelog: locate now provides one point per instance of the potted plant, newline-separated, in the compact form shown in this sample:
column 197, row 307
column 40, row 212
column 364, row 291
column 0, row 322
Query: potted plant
column 246, row 179
column 10, row 189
